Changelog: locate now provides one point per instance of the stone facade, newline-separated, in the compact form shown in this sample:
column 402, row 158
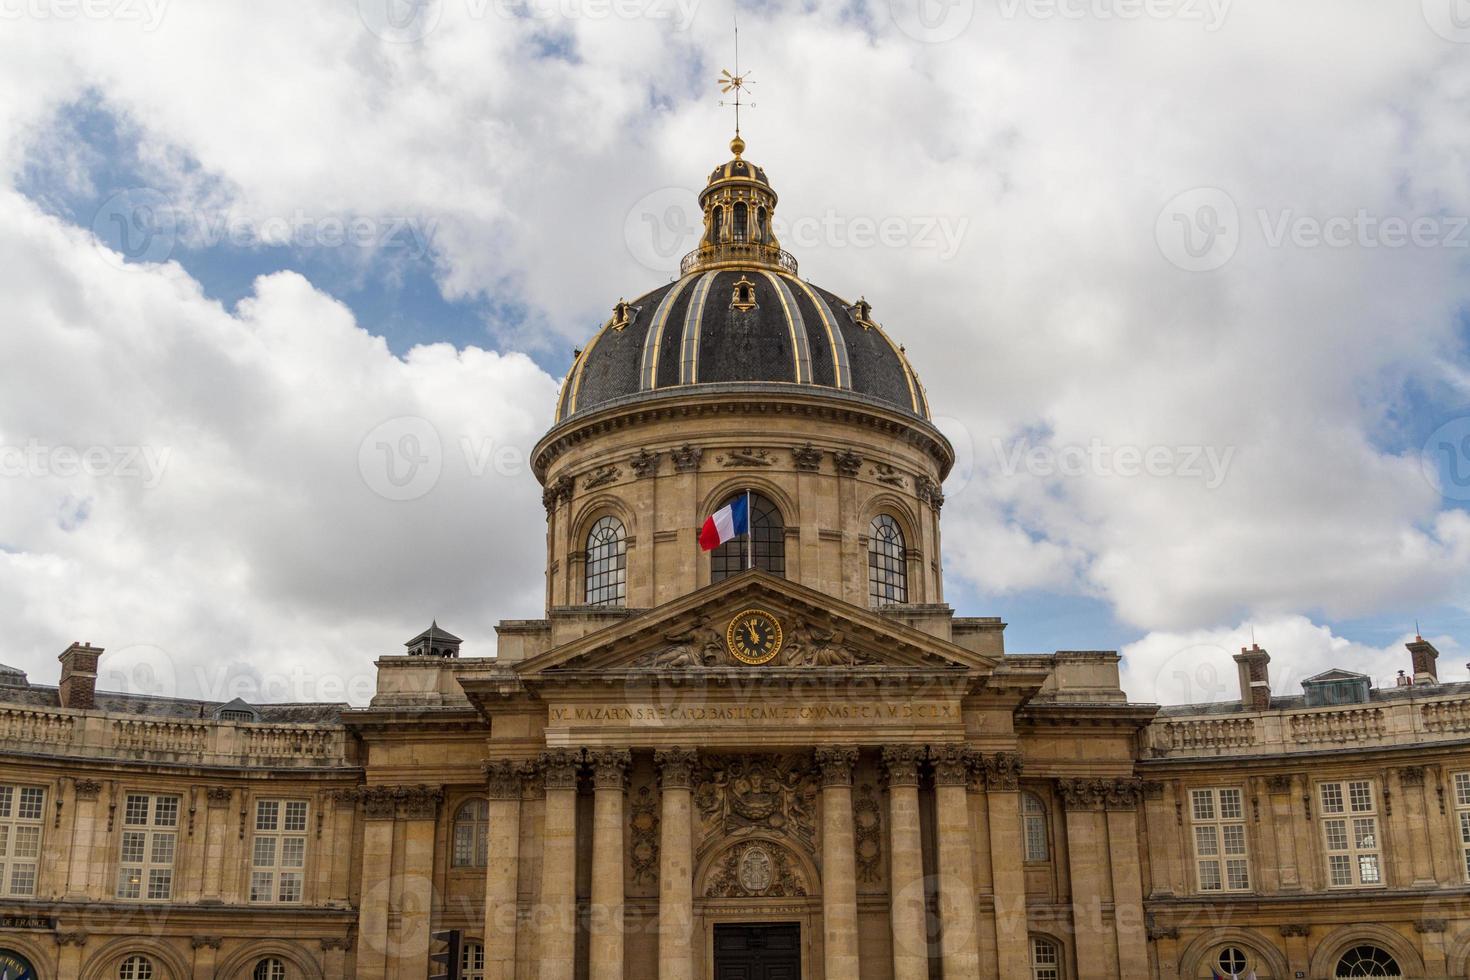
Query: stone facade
column 616, row 790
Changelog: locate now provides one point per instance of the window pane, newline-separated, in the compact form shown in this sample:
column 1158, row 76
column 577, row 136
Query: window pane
column 1360, row 796
column 1230, row 808
column 607, row 563
column 1204, row 804
column 1336, row 833
column 295, row 815
column 30, row 804
column 1206, row 843
column 266, row 814
column 888, row 573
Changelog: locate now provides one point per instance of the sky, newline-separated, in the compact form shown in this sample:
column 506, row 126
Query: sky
column 1186, row 281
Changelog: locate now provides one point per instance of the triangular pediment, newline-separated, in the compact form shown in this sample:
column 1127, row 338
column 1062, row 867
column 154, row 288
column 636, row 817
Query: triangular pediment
column 692, row 633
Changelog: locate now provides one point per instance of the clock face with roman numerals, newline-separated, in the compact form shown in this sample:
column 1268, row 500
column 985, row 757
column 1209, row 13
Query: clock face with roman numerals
column 754, row 637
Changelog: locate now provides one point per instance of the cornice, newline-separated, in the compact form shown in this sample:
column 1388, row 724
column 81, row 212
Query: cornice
column 723, row 400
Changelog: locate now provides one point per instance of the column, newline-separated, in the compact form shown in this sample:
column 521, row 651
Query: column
column 558, row 940
column 1421, row 858
column 839, row 862
column 379, row 809
column 334, row 957
column 956, row 867
column 1086, row 847
column 1003, row 807
column 1279, row 799
column 206, row 953
column 1127, row 878
column 910, row 942
column 502, row 868
column 609, row 775
column 216, row 832
column 69, row 956
column 418, row 809
column 676, row 866
column 84, row 833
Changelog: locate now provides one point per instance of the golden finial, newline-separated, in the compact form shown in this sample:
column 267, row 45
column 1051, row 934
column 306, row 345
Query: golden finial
column 736, row 82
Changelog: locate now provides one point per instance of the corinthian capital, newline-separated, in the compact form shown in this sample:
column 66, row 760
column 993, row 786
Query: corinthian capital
column 559, row 767
column 609, row 767
column 675, row 767
column 951, row 763
column 836, row 762
column 902, row 764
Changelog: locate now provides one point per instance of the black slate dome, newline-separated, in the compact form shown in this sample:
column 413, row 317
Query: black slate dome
column 739, row 316
column 740, row 326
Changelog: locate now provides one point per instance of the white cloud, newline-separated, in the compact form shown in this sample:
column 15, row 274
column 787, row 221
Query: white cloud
column 1196, row 666
column 233, row 514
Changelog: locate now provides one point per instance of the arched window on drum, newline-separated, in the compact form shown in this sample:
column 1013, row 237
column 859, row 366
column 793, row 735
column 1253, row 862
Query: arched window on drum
column 607, row 563
column 888, row 568
column 767, row 537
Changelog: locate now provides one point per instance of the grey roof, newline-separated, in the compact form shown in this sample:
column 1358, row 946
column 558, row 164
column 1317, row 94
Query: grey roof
column 1284, row 703
column 43, row 696
column 434, row 632
column 690, row 333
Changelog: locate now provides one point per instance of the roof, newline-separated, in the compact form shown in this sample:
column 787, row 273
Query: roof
column 44, row 696
column 740, row 325
column 434, row 632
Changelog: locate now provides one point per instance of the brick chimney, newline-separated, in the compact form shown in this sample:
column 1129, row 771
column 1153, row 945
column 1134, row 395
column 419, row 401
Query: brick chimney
column 1424, row 655
column 1255, row 680
column 79, row 675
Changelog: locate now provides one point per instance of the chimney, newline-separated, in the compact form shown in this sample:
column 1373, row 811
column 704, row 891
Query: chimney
column 1255, row 681
column 1424, row 656
column 79, row 675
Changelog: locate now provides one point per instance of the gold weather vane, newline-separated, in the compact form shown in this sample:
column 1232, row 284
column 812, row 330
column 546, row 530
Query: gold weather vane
column 736, row 82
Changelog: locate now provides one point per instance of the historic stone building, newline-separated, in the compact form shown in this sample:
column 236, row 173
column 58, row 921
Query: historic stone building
column 694, row 769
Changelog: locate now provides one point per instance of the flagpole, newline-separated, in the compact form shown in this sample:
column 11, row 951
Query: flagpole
column 749, row 533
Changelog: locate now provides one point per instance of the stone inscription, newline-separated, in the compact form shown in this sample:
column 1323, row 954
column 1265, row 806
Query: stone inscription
column 741, row 714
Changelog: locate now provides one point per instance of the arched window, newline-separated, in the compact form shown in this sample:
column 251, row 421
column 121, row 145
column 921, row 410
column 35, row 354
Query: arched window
column 1231, row 961
column 607, row 563
column 135, row 967
column 472, row 961
column 767, row 534
column 1367, row 961
column 739, row 223
column 269, row 968
column 717, row 217
column 471, row 834
column 888, row 569
column 1033, row 819
column 1046, row 959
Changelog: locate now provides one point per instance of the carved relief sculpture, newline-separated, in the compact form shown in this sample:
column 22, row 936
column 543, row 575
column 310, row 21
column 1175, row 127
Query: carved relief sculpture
column 775, row 793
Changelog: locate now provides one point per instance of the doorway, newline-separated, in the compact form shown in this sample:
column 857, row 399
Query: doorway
column 758, row 951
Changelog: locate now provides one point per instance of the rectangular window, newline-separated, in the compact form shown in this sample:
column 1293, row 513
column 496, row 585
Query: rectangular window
column 1350, row 833
column 21, row 808
column 149, row 838
column 1220, row 857
column 278, row 853
column 1462, row 808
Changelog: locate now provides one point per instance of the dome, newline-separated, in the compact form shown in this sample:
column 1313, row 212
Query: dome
column 739, row 316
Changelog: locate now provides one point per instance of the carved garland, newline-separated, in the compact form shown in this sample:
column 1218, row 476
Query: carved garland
column 643, row 823
column 867, row 826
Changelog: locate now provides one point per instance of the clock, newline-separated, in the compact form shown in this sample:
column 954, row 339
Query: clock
column 754, row 637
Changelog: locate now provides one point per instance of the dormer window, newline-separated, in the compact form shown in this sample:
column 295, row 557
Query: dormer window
column 743, row 297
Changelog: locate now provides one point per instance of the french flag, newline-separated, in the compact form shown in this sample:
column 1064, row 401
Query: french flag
column 730, row 521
